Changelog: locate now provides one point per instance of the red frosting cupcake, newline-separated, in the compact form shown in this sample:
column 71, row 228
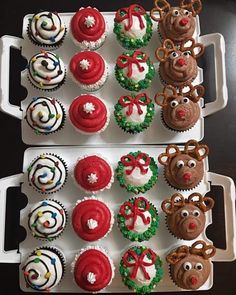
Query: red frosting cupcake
column 92, row 219
column 89, row 114
column 93, row 174
column 89, row 70
column 88, row 28
column 93, row 269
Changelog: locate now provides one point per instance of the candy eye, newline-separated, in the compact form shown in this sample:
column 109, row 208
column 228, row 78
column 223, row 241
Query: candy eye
column 173, row 55
column 187, row 53
column 187, row 13
column 185, row 100
column 180, row 164
column 175, row 12
column 198, row 266
column 184, row 213
column 187, row 266
column 196, row 213
column 174, row 103
column 192, row 163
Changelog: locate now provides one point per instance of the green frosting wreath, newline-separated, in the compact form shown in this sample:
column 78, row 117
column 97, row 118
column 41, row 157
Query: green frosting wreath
column 126, row 273
column 131, row 127
column 129, row 233
column 129, row 84
column 132, row 188
column 132, row 43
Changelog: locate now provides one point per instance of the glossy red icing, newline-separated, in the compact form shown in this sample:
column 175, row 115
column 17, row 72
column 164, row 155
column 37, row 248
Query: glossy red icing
column 88, row 122
column 95, row 70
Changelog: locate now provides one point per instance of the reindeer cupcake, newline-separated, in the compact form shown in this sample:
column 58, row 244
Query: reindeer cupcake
column 184, row 169
column 190, row 266
column 180, row 110
column 186, row 217
column 178, row 64
column 176, row 23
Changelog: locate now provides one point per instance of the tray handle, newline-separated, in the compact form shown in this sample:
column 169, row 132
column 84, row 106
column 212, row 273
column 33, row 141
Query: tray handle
column 6, row 43
column 228, row 254
column 217, row 40
column 11, row 256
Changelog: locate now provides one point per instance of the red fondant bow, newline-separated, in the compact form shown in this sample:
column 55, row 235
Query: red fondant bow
column 128, row 13
column 131, row 161
column 136, row 211
column 130, row 101
column 124, row 61
column 139, row 262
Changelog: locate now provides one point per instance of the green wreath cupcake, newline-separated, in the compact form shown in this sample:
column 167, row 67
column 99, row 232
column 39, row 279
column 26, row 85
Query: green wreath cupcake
column 141, row 269
column 137, row 172
column 133, row 113
column 133, row 27
column 134, row 70
column 138, row 219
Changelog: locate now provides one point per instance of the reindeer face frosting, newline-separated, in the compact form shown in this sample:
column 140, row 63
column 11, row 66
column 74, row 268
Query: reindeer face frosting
column 180, row 110
column 184, row 169
column 178, row 65
column 190, row 266
column 176, row 23
column 186, row 217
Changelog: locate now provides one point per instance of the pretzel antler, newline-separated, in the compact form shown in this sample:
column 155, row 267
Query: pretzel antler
column 161, row 6
column 203, row 203
column 168, row 91
column 195, row 6
column 168, row 154
column 169, row 206
column 177, row 255
column 194, row 93
column 206, row 251
column 195, row 151
column 163, row 52
column 199, row 46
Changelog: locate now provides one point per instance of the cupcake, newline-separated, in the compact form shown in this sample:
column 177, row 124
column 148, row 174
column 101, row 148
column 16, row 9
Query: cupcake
column 44, row 269
column 89, row 70
column 93, row 269
column 47, row 173
column 47, row 220
column 184, row 169
column 190, row 267
column 138, row 219
column 133, row 27
column 46, row 71
column 46, row 29
column 133, row 113
column 89, row 114
column 176, row 23
column 186, row 217
column 180, row 110
column 92, row 219
column 134, row 70
column 178, row 64
column 93, row 174
column 88, row 28
column 45, row 115
column 141, row 269
column 137, row 172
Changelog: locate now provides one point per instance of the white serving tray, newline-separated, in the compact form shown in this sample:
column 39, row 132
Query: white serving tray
column 155, row 134
column 70, row 244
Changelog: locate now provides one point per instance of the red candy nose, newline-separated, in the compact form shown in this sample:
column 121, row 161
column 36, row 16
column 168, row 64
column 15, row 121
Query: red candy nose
column 183, row 22
column 181, row 113
column 187, row 176
column 181, row 62
column 192, row 225
column 194, row 280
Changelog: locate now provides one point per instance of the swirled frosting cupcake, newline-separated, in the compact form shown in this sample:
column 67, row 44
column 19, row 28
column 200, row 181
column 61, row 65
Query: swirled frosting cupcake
column 88, row 28
column 44, row 269
column 93, row 269
column 46, row 71
column 47, row 219
column 92, row 219
column 46, row 29
column 89, row 70
column 89, row 114
column 93, row 174
column 45, row 115
column 47, row 173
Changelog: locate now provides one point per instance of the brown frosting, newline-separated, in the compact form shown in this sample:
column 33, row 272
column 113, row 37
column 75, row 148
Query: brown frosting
column 178, row 65
column 186, row 217
column 190, row 266
column 184, row 169
column 180, row 110
column 176, row 23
